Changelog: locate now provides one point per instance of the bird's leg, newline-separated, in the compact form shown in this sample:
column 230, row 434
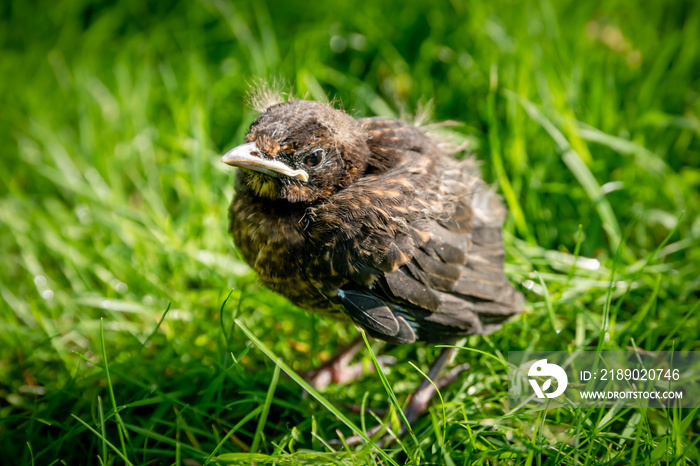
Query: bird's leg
column 418, row 401
column 338, row 368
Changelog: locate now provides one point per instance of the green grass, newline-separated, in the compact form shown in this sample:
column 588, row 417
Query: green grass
column 118, row 343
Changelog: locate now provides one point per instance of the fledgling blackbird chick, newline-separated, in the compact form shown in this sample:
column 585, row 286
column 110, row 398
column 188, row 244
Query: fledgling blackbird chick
column 369, row 220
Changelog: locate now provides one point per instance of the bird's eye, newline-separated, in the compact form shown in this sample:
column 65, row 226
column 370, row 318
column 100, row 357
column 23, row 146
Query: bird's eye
column 313, row 159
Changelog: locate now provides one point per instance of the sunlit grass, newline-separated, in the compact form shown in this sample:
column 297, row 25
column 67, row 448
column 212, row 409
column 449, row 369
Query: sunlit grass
column 118, row 339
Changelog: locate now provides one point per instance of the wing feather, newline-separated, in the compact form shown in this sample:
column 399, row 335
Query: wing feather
column 416, row 248
column 369, row 311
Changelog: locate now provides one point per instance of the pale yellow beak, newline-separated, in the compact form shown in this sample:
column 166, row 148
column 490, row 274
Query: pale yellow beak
column 247, row 156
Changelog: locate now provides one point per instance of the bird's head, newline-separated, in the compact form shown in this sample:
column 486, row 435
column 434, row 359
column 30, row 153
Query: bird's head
column 300, row 151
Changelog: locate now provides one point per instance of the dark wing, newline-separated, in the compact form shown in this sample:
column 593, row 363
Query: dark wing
column 374, row 316
column 414, row 251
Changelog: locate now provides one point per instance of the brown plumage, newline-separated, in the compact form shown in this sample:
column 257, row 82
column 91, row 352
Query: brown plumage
column 368, row 219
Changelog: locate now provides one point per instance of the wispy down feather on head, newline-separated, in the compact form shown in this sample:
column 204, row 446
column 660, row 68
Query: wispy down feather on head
column 263, row 94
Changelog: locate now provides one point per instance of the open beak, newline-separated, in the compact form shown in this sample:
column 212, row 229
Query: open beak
column 247, row 156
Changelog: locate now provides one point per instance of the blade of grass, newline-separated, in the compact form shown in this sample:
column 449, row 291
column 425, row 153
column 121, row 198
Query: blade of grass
column 548, row 303
column 102, row 428
column 31, row 453
column 578, row 168
column 474, row 350
column 155, row 330
column 221, row 315
column 265, row 410
column 577, row 252
column 608, row 298
column 182, row 424
column 592, row 188
column 311, row 391
column 497, row 159
column 178, row 444
column 120, row 424
column 392, row 396
column 240, row 423
column 442, row 403
column 116, row 450
column 165, row 439
column 678, row 326
column 363, row 410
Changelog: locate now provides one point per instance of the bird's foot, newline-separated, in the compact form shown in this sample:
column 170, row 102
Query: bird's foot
column 339, row 370
column 420, row 399
column 417, row 404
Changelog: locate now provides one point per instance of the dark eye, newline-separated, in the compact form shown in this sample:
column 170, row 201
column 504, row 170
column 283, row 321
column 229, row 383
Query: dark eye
column 313, row 159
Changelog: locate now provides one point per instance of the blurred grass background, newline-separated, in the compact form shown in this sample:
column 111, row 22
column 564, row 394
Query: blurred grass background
column 113, row 210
